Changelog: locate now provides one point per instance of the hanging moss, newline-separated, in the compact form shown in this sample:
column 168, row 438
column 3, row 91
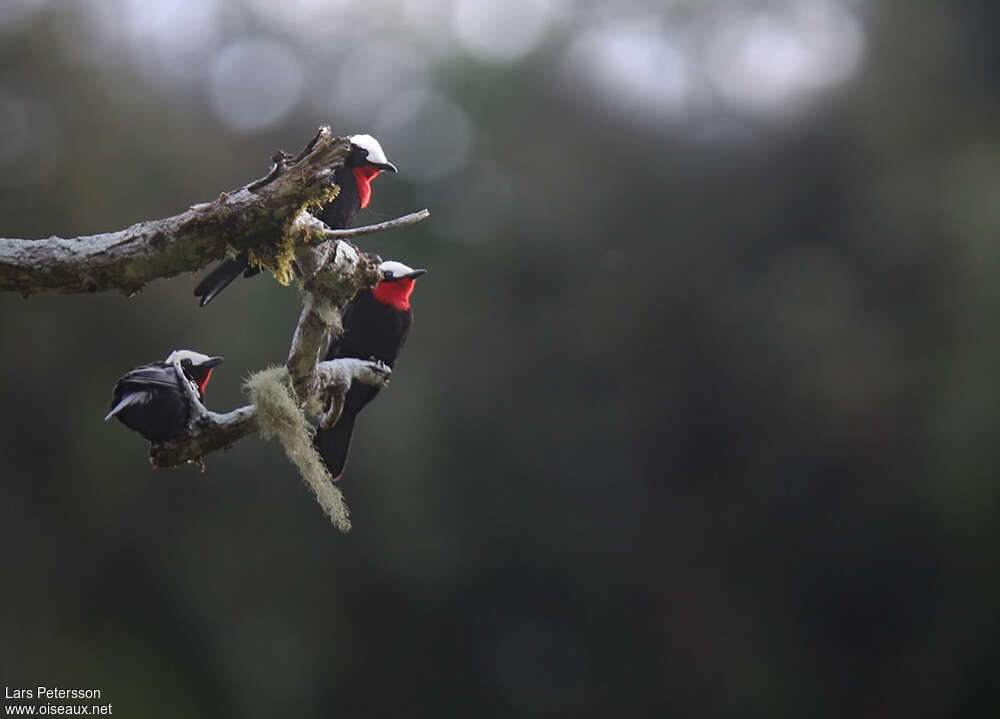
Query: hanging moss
column 279, row 414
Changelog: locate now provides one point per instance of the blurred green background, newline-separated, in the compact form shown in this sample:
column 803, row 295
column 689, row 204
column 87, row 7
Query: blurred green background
column 698, row 416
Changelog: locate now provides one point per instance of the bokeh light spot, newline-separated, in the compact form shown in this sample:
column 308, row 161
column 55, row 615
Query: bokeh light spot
column 637, row 66
column 429, row 135
column 761, row 59
column 14, row 11
column 254, row 84
column 501, row 32
column 372, row 75
column 168, row 41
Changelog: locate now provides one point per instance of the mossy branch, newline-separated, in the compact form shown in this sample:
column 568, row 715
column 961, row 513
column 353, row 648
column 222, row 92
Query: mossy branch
column 257, row 217
column 276, row 411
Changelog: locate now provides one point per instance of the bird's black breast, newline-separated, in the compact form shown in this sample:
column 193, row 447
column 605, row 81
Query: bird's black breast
column 340, row 213
column 372, row 329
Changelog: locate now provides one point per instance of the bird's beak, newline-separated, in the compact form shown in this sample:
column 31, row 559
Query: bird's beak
column 211, row 362
column 413, row 275
column 387, row 166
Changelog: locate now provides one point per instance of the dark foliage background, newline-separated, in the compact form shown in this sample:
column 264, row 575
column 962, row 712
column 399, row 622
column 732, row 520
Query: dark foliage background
column 698, row 418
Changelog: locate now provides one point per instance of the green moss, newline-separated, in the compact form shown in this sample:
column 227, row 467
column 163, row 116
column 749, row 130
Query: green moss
column 277, row 258
column 278, row 413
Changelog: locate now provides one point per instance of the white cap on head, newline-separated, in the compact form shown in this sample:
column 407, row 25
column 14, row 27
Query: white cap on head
column 392, row 270
column 372, row 147
column 196, row 358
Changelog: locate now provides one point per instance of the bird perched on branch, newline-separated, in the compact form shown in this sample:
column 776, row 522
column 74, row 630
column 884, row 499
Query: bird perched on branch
column 151, row 400
column 364, row 163
column 375, row 325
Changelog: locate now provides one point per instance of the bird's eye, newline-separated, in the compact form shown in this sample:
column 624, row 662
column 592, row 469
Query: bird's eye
column 186, row 363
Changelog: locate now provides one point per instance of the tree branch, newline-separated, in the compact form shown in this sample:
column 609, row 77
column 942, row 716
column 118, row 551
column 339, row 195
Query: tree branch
column 259, row 215
column 331, row 273
column 215, row 432
column 410, row 219
column 324, row 292
column 210, row 431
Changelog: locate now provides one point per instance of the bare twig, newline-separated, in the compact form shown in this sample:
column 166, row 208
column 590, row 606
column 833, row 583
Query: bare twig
column 410, row 219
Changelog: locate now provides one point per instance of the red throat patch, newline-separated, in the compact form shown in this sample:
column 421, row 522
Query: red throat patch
column 395, row 293
column 364, row 177
column 204, row 383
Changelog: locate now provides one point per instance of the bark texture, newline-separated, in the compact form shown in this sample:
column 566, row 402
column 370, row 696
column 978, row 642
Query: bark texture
column 259, row 217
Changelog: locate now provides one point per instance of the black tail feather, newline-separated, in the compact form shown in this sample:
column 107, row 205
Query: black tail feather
column 219, row 278
column 333, row 444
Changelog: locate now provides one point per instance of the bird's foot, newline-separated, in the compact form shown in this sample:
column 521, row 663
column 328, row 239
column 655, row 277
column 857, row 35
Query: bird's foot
column 373, row 372
column 334, row 377
column 341, row 372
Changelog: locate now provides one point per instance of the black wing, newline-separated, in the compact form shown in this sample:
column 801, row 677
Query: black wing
column 156, row 375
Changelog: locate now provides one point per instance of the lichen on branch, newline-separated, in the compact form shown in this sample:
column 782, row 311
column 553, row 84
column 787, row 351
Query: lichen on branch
column 278, row 414
column 260, row 216
column 276, row 411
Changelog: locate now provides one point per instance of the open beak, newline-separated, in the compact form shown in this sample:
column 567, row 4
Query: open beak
column 414, row 275
column 210, row 362
column 387, row 166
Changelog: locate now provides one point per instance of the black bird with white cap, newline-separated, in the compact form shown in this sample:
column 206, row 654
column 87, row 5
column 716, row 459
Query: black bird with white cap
column 365, row 161
column 151, row 400
column 376, row 324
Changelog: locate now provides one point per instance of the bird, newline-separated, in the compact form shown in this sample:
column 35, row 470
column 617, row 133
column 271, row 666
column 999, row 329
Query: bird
column 365, row 161
column 375, row 326
column 151, row 400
